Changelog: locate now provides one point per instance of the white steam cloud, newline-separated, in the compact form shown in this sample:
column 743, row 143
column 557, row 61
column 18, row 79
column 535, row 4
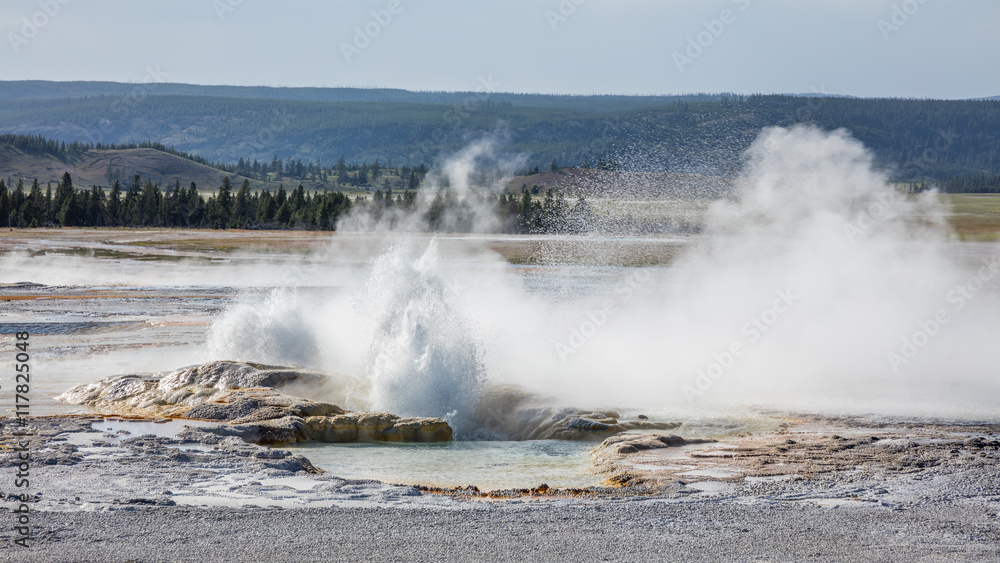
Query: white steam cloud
column 446, row 200
column 814, row 287
column 269, row 329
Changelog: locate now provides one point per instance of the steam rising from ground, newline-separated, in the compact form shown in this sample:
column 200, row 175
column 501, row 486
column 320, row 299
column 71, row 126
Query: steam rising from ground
column 863, row 267
column 815, row 287
column 267, row 329
column 445, row 201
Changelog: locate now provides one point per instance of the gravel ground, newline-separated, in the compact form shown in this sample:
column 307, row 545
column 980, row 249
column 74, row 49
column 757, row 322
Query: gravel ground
column 606, row 531
column 102, row 496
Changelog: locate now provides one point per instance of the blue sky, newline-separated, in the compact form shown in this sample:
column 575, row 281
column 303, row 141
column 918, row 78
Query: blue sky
column 906, row 48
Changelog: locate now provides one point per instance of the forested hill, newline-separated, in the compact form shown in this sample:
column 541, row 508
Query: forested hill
column 917, row 139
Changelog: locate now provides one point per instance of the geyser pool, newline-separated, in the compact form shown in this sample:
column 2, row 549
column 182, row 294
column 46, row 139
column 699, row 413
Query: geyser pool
column 504, row 464
column 488, row 465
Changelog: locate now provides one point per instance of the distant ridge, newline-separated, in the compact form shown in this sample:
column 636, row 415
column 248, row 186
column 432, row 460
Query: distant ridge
column 702, row 134
column 51, row 90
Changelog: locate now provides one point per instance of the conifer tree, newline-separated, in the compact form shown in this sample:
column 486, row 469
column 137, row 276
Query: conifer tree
column 5, row 211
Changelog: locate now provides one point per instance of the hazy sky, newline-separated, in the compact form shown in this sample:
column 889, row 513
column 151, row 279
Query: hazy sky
column 909, row 48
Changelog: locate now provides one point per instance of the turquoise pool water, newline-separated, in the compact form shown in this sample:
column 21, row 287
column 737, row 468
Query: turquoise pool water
column 487, row 465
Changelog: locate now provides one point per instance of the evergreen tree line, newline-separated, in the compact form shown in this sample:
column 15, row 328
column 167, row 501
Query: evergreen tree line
column 144, row 204
column 551, row 213
column 343, row 174
column 499, row 213
column 972, row 184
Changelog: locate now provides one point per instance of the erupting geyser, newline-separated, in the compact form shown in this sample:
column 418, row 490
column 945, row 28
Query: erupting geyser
column 423, row 359
column 863, row 270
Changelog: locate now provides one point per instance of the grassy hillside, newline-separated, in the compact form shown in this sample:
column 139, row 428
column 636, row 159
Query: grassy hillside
column 33, row 157
column 103, row 167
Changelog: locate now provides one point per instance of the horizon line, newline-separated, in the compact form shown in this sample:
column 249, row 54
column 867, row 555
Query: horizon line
column 514, row 93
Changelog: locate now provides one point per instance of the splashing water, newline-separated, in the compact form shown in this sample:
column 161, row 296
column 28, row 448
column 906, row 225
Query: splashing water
column 271, row 331
column 423, row 359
